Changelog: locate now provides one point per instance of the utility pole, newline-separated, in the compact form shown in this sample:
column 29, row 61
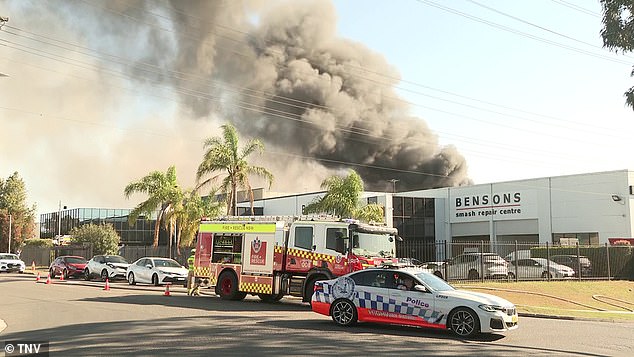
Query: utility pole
column 9, row 250
column 393, row 181
column 59, row 219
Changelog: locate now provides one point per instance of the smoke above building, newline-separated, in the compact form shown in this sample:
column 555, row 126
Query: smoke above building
column 279, row 72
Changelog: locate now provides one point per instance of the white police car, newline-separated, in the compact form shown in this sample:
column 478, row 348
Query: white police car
column 411, row 296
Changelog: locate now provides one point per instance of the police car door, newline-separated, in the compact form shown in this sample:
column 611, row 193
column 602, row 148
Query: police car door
column 410, row 306
column 371, row 295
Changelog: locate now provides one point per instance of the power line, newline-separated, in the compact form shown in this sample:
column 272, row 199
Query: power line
column 533, row 25
column 275, row 98
column 521, row 33
column 358, row 67
column 292, row 116
column 576, row 8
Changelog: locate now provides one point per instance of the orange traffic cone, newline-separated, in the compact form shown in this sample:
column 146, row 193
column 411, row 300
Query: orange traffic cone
column 48, row 279
column 107, row 287
column 37, row 278
column 33, row 266
column 167, row 290
column 61, row 276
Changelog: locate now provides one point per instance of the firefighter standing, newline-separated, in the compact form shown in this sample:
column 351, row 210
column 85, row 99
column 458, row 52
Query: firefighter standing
column 192, row 287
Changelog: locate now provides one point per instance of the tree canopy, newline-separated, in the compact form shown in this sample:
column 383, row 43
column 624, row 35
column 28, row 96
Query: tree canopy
column 163, row 195
column 223, row 156
column 618, row 32
column 13, row 202
column 343, row 197
column 103, row 238
column 194, row 208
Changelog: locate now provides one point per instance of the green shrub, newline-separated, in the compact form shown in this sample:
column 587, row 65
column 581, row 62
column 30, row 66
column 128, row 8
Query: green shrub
column 103, row 238
column 37, row 242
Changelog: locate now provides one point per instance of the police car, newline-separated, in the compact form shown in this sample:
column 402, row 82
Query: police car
column 411, row 296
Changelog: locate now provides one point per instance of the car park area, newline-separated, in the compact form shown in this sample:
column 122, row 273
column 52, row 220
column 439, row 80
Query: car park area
column 140, row 320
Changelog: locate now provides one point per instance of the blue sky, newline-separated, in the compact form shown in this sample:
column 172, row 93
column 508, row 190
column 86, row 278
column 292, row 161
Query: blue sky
column 515, row 107
column 578, row 123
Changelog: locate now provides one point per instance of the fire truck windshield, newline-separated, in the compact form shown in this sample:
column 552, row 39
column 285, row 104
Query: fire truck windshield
column 373, row 245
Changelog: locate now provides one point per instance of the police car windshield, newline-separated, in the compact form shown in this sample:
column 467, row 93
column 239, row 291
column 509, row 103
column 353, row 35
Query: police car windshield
column 434, row 282
column 373, row 245
column 9, row 256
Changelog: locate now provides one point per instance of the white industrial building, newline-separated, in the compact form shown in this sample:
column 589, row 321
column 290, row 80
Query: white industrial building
column 591, row 208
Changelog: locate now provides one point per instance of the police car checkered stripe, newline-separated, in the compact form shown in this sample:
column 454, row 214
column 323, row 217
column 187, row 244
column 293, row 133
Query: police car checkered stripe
column 381, row 303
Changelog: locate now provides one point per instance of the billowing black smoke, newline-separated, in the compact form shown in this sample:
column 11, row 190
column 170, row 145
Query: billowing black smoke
column 285, row 77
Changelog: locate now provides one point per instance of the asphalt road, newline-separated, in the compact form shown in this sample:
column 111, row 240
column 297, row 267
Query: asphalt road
column 82, row 319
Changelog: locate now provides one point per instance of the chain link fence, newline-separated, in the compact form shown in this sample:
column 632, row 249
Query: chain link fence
column 521, row 261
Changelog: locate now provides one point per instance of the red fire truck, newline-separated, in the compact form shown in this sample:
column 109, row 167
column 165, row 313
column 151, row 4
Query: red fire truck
column 276, row 256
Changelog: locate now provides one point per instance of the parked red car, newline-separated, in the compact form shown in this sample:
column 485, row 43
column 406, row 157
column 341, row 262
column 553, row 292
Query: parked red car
column 68, row 266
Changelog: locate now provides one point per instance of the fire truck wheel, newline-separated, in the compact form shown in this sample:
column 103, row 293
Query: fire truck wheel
column 343, row 312
column 310, row 287
column 270, row 297
column 227, row 287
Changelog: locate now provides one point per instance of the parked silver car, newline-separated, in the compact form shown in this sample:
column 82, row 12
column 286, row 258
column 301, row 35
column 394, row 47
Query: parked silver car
column 474, row 266
column 539, row 268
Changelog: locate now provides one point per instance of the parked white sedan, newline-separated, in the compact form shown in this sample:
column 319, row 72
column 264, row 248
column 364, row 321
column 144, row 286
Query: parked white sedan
column 11, row 263
column 156, row 271
column 411, row 296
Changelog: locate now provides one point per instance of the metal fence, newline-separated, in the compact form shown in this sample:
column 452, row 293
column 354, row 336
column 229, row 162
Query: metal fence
column 132, row 253
column 44, row 256
column 521, row 261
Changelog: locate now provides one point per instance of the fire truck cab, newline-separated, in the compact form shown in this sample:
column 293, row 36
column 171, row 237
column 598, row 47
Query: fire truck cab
column 276, row 256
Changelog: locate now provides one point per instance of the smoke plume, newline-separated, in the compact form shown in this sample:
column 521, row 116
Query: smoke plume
column 276, row 70
column 293, row 83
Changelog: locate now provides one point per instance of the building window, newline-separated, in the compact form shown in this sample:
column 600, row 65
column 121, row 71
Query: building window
column 590, row 238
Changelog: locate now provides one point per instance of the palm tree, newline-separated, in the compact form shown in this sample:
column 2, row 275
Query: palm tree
column 164, row 195
column 342, row 199
column 192, row 210
column 223, row 154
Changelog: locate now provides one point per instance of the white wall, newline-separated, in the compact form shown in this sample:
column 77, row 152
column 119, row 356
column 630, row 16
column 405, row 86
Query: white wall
column 564, row 204
column 584, row 203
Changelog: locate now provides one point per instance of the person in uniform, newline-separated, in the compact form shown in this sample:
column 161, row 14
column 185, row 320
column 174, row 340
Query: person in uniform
column 192, row 286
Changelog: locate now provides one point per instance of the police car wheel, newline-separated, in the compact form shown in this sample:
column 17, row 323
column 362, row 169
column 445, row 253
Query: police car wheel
column 86, row 274
column 464, row 322
column 343, row 312
column 104, row 275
